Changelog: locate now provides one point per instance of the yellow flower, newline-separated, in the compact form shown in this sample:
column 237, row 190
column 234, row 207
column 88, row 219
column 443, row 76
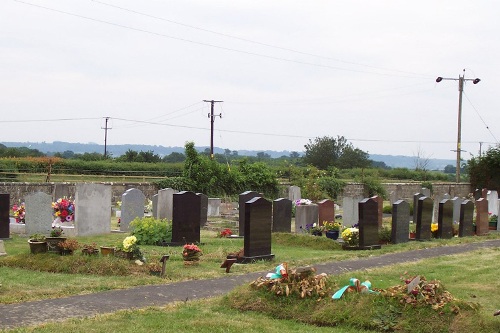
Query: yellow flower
column 434, row 227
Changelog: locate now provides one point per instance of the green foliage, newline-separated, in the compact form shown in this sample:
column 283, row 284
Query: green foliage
column 331, row 186
column 258, row 177
column 384, row 234
column 387, row 209
column 484, row 171
column 176, row 183
column 151, row 231
column 373, row 186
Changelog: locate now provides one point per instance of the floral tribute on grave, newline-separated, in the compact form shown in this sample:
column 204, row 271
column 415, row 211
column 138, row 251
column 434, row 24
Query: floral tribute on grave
column 19, row 212
column 64, row 211
column 191, row 253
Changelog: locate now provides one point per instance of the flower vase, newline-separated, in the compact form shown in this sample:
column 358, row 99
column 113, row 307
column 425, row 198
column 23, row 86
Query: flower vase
column 37, row 247
column 52, row 243
column 332, row 234
column 107, row 250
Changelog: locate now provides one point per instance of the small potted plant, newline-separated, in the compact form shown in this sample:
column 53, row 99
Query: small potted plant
column 37, row 243
column 315, row 229
column 68, row 246
column 191, row 254
column 54, row 239
column 332, row 229
column 350, row 237
column 129, row 249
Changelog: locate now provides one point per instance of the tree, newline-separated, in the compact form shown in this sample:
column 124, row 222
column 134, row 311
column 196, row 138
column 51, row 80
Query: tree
column 327, row 151
column 484, row 171
column 174, row 157
column 450, row 169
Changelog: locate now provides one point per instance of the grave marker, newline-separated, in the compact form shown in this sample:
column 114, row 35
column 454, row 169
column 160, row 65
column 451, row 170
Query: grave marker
column 244, row 197
column 154, row 200
column 92, row 209
column 203, row 209
column 132, row 206
column 39, row 213
column 326, row 211
column 165, row 203
column 294, row 193
column 424, row 218
column 400, row 222
column 482, row 218
column 493, row 202
column 257, row 242
column 465, row 227
column 186, row 218
column 350, row 208
column 214, row 206
column 305, row 215
column 416, row 196
column 4, row 216
column 282, row 215
column 445, row 219
column 368, row 222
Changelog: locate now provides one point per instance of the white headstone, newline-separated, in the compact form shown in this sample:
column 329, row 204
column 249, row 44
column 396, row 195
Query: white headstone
column 165, row 203
column 294, row 193
column 492, row 198
column 350, row 213
column 214, row 206
column 132, row 206
column 38, row 213
column 93, row 209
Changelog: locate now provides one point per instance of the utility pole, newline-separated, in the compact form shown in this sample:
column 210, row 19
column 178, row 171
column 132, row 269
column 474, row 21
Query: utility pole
column 461, row 80
column 106, row 136
column 212, row 118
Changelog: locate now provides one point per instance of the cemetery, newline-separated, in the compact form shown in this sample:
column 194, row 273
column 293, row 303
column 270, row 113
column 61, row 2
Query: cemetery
column 177, row 235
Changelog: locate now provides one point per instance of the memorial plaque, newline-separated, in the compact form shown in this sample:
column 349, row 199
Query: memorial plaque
column 244, row 197
column 445, row 219
column 368, row 222
column 186, row 217
column 282, row 215
column 482, row 217
column 4, row 216
column 257, row 243
column 424, row 218
column 326, row 211
column 400, row 222
column 465, row 227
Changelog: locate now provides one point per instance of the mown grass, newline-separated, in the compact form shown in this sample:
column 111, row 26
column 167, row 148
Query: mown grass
column 470, row 277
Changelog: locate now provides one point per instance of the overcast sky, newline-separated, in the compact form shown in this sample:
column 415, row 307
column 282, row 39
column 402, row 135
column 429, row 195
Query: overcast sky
column 286, row 71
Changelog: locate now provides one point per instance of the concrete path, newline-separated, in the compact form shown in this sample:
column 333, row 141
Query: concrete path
column 29, row 313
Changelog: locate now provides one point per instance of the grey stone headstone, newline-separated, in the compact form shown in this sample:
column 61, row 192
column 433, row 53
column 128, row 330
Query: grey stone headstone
column 203, row 209
column 426, row 192
column 93, row 209
column 165, row 203
column 257, row 242
column 4, row 215
column 326, row 211
column 368, row 222
column 424, row 218
column 350, row 214
column 132, row 206
column 39, row 213
column 304, row 215
column 416, row 196
column 154, row 200
column 214, row 206
column 493, row 202
column 244, row 197
column 457, row 204
column 445, row 219
column 465, row 227
column 61, row 190
column 282, row 215
column 400, row 222
column 2, row 249
column 482, row 218
column 186, row 217
column 294, row 193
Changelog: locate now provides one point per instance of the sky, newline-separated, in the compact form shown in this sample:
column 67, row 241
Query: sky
column 285, row 71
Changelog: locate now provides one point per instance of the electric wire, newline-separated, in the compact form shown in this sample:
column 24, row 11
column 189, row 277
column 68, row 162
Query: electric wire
column 477, row 112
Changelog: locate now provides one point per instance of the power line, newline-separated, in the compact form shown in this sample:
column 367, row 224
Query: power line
column 213, row 45
column 45, row 120
column 477, row 112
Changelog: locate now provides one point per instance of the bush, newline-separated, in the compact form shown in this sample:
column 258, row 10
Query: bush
column 387, row 209
column 384, row 234
column 151, row 231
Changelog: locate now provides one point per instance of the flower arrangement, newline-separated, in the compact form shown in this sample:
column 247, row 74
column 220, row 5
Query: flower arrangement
column 332, row 226
column 69, row 244
column 191, row 252
column 302, row 202
column 434, row 229
column 19, row 211
column 56, row 232
column 225, row 233
column 64, row 211
column 90, row 249
column 148, row 208
column 351, row 236
column 129, row 246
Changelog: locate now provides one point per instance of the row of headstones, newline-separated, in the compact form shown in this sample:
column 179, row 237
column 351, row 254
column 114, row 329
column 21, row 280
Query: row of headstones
column 92, row 211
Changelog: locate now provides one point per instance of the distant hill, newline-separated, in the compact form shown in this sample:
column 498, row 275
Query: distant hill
column 118, row 150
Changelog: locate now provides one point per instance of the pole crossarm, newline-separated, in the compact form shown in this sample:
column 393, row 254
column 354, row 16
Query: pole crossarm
column 212, row 120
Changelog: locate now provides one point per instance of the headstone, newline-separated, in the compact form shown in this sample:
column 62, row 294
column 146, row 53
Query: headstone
column 482, row 218
column 165, row 203
column 92, row 209
column 2, row 249
column 282, row 215
column 380, row 202
column 400, row 222
column 437, row 199
column 493, row 202
column 368, row 222
column 396, row 194
column 186, row 218
column 424, row 218
column 203, row 209
column 61, row 190
column 155, row 205
column 132, row 207
column 39, row 213
column 4, row 216
column 445, row 219
column 498, row 209
column 326, row 211
column 416, row 196
column 426, row 192
column 484, row 193
column 214, row 206
column 244, row 197
column 465, row 228
column 294, row 193
column 305, row 215
column 257, row 242
column 350, row 214
column 477, row 194
column 457, row 204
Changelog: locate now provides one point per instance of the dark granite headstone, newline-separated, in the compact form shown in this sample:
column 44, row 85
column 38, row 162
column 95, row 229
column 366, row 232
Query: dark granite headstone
column 368, row 222
column 416, row 196
column 380, row 209
column 477, row 194
column 424, row 218
column 282, row 215
column 400, row 222
column 4, row 216
column 482, row 217
column 326, row 211
column 258, row 220
column 445, row 219
column 465, row 227
column 204, row 209
column 244, row 197
column 186, row 216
